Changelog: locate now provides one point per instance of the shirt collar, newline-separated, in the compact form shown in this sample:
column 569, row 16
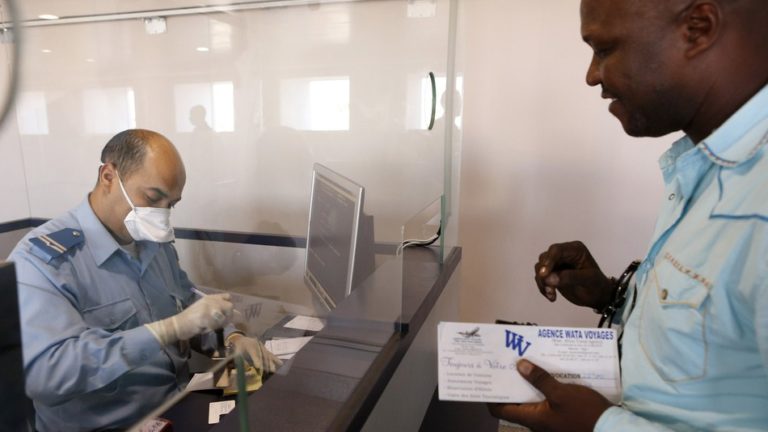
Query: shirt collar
column 742, row 135
column 669, row 158
column 100, row 242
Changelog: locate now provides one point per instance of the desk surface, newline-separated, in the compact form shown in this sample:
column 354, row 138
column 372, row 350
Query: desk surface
column 334, row 382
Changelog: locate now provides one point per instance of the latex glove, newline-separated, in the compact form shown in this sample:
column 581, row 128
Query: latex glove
column 570, row 269
column 567, row 407
column 209, row 313
column 254, row 352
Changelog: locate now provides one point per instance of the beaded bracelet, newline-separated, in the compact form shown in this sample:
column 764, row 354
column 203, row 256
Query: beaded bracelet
column 620, row 294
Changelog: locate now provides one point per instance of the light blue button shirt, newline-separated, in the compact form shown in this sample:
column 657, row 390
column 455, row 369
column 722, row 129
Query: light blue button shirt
column 90, row 363
column 695, row 350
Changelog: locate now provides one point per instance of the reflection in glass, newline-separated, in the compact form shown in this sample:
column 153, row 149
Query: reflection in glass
column 221, row 35
column 32, row 113
column 422, row 8
column 337, row 27
column 423, row 91
column 106, row 110
column 315, row 104
column 199, row 104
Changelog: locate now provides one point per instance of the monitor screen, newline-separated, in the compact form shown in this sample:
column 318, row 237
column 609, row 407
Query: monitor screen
column 335, row 210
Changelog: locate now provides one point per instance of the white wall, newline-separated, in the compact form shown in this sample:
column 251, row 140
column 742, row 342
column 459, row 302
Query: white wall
column 13, row 188
column 543, row 160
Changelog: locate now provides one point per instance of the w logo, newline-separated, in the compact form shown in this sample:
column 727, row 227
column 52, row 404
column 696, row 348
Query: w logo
column 516, row 342
column 252, row 311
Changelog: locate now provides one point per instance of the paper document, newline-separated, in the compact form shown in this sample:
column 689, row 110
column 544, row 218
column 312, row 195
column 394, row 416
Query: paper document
column 201, row 381
column 218, row 409
column 286, row 346
column 477, row 362
column 302, row 322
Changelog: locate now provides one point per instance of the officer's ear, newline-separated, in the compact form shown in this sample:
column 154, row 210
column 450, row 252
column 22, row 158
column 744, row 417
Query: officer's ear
column 107, row 175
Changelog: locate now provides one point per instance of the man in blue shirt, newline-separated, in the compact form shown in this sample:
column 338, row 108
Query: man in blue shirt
column 106, row 310
column 695, row 341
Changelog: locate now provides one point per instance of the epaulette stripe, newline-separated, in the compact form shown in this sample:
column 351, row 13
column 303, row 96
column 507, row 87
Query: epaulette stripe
column 53, row 244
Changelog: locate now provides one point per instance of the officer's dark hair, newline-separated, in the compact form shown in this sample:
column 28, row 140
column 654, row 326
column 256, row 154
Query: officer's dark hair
column 127, row 150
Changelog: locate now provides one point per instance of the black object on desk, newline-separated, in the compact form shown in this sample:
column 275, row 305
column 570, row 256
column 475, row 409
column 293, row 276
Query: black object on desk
column 17, row 411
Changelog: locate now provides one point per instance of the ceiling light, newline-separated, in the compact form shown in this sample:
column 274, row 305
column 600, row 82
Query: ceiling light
column 6, row 35
column 46, row 51
column 202, row 49
column 48, row 17
column 155, row 25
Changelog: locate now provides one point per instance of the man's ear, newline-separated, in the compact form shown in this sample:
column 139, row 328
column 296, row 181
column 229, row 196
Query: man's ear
column 107, row 175
column 702, row 23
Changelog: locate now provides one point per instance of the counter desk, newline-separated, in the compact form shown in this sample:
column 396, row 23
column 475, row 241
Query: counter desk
column 364, row 370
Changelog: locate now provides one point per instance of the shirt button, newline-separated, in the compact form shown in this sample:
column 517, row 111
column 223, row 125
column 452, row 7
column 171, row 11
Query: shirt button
column 664, row 293
column 671, row 196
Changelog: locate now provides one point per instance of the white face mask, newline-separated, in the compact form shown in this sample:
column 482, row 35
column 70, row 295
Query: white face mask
column 148, row 223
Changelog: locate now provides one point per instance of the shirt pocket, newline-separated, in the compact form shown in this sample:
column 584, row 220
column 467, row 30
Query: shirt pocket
column 117, row 315
column 673, row 323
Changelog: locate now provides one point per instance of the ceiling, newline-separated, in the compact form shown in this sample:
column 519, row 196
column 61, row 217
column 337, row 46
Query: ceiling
column 32, row 9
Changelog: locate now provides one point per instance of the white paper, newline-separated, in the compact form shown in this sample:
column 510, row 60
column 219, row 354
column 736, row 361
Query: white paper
column 302, row 322
column 153, row 425
column 218, row 409
column 477, row 362
column 201, row 381
column 287, row 345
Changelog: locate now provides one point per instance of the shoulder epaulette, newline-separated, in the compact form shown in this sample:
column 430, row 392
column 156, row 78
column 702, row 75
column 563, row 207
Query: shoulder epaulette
column 53, row 245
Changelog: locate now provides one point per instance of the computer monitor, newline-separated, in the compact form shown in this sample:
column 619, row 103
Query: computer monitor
column 16, row 412
column 339, row 237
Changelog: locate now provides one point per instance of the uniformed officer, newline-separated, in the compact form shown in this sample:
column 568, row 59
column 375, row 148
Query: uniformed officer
column 106, row 310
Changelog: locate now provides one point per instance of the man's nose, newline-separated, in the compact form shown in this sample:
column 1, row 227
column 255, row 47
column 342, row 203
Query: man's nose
column 593, row 74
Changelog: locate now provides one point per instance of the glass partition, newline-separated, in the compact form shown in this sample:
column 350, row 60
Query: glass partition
column 252, row 98
column 298, row 327
column 424, row 229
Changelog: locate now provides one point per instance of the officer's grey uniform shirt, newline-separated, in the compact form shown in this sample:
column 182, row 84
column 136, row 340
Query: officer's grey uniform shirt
column 90, row 363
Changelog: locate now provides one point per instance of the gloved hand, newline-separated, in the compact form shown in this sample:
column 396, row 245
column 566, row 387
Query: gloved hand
column 207, row 314
column 257, row 354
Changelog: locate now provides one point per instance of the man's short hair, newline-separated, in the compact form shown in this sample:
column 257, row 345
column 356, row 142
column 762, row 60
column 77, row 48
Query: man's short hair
column 127, row 150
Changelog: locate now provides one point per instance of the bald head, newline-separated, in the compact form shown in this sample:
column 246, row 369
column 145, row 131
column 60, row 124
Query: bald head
column 128, row 149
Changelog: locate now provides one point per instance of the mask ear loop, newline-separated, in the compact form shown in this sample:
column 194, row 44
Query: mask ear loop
column 122, row 188
column 125, row 194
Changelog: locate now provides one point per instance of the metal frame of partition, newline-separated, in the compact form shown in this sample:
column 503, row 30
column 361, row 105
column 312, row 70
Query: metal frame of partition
column 180, row 11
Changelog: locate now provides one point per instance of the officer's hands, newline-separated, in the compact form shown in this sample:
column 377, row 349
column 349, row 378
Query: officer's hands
column 570, row 269
column 256, row 353
column 567, row 407
column 209, row 313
